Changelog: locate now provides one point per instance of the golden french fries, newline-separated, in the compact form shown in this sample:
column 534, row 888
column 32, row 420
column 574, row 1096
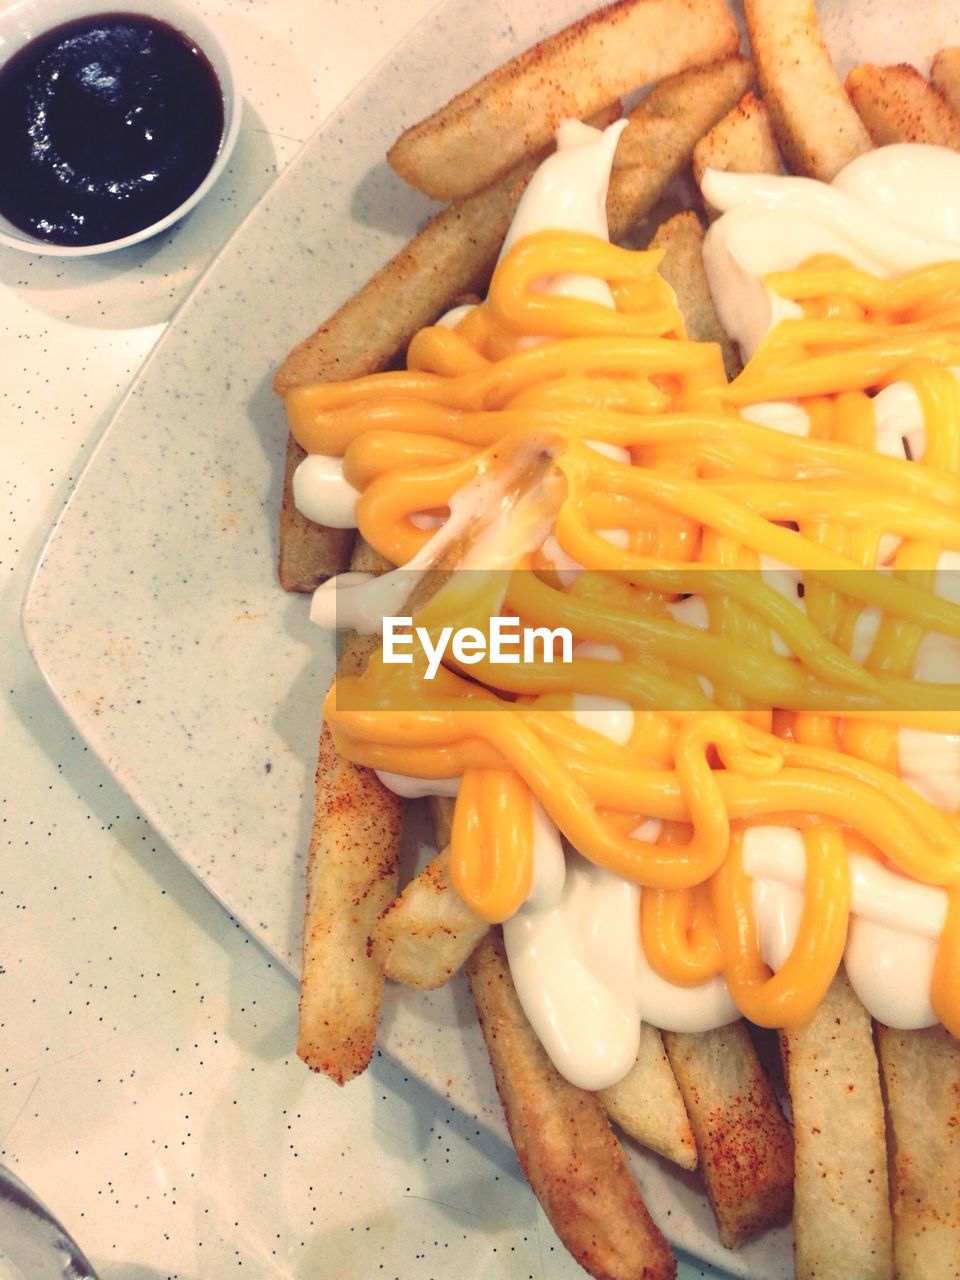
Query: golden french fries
column 945, row 74
column 563, row 1139
column 426, row 934
column 699, row 1100
column 743, row 1140
column 681, row 239
column 817, row 127
column 351, row 879
column 898, row 105
column 742, row 142
column 841, row 1221
column 662, row 132
column 647, row 1103
column 513, row 112
column 921, row 1076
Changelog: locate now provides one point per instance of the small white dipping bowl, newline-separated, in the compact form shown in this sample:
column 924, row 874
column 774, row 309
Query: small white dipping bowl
column 28, row 19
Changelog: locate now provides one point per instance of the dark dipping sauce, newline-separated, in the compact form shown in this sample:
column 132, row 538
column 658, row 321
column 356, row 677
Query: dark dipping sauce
column 107, row 124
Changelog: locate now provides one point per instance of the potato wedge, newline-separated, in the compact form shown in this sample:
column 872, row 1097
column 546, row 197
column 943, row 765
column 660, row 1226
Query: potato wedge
column 841, row 1218
column 351, row 879
column 662, row 132
column 921, row 1077
column 898, row 105
column 817, row 128
column 743, row 1140
column 426, row 934
column 513, row 112
column 681, row 238
column 742, row 142
column 647, row 1103
column 945, row 74
column 563, row 1139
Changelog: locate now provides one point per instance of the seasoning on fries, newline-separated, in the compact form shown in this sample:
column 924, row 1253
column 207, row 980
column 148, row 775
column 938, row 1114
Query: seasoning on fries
column 737, row 799
column 818, row 129
column 514, row 111
column 898, row 105
column 742, row 142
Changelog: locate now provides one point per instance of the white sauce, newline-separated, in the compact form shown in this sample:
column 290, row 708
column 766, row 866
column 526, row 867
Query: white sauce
column 890, row 210
column 779, row 415
column 402, row 784
column 322, row 493
column 894, row 928
column 569, row 193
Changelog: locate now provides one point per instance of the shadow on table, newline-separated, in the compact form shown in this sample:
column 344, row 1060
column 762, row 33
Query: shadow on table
column 135, row 1271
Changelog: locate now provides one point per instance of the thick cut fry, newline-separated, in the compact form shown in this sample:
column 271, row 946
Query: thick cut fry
column 945, row 74
column 351, row 878
column 743, row 1140
column 647, row 1103
column 309, row 553
column 817, row 128
column 921, row 1075
column 742, row 142
column 512, row 113
column 662, row 132
column 841, row 1218
column 452, row 256
column 681, row 238
column 563, row 1140
column 424, row 937
column 898, row 105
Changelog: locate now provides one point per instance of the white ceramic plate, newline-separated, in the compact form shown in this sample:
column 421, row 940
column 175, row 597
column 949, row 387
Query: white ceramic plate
column 155, row 613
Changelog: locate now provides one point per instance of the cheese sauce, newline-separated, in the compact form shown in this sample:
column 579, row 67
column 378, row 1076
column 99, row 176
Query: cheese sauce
column 574, row 944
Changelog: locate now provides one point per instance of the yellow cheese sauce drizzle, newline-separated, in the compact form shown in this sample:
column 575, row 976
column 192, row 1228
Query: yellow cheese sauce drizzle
column 705, row 490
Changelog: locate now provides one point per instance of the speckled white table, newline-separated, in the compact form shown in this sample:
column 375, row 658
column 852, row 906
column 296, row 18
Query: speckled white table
column 148, row 1090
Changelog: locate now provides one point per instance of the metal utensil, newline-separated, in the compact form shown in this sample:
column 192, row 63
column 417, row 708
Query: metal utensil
column 33, row 1244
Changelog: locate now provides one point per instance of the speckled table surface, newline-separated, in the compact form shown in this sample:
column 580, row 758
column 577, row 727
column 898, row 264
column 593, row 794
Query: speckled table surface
column 148, row 1090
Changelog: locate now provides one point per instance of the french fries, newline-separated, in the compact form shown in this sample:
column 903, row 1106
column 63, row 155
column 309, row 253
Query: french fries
column 647, row 1103
column 817, row 128
column 742, row 142
column 945, row 74
column 898, row 105
column 426, row 934
column 744, row 1142
column 921, row 1077
column 841, row 1221
column 563, row 1139
column 662, row 132
column 681, row 238
column 702, row 1101
column 351, row 878
column 511, row 113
